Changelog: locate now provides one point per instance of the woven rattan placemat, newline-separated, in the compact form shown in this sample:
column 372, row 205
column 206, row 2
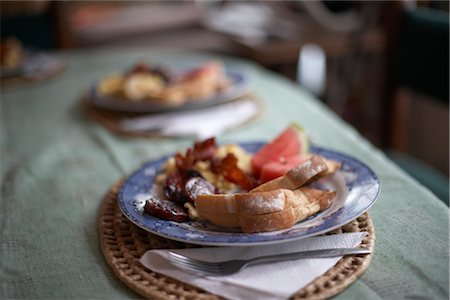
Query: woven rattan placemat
column 112, row 119
column 123, row 244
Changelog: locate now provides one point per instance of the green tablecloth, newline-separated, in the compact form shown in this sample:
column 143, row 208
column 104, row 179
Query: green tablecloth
column 57, row 164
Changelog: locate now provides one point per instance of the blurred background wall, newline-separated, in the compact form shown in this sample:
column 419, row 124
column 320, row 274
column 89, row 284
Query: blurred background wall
column 381, row 65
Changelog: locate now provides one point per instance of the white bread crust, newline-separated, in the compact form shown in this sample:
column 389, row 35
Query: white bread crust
column 274, row 205
column 296, row 177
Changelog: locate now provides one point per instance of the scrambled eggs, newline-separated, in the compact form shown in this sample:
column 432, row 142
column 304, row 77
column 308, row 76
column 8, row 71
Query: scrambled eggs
column 204, row 167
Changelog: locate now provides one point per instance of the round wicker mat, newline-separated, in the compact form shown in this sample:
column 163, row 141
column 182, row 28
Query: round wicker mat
column 112, row 119
column 123, row 244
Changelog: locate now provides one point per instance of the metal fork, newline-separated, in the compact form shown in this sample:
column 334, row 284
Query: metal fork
column 233, row 266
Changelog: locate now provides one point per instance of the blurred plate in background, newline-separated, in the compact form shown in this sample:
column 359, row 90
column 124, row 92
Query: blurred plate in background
column 238, row 87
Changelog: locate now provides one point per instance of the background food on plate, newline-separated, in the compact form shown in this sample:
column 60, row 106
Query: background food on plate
column 11, row 53
column 154, row 84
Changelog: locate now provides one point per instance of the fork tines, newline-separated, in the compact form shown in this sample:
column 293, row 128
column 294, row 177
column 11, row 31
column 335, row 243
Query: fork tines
column 195, row 265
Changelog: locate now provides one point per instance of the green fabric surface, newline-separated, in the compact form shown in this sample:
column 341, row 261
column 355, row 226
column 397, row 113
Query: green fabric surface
column 56, row 164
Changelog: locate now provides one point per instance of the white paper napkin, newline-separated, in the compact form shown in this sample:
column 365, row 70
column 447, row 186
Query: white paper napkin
column 277, row 280
column 200, row 123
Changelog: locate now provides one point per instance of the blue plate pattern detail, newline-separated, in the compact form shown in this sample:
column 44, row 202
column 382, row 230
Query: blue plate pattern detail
column 239, row 86
column 356, row 184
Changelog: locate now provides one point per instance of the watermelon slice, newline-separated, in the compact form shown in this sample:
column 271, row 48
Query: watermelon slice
column 211, row 69
column 291, row 142
column 274, row 169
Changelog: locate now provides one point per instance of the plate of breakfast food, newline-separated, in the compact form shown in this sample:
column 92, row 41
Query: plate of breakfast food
column 248, row 193
column 11, row 57
column 18, row 61
column 152, row 88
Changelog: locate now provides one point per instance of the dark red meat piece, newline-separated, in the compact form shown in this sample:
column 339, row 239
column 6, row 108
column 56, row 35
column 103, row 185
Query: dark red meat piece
column 174, row 188
column 229, row 169
column 165, row 209
column 181, row 187
column 198, row 186
column 205, row 150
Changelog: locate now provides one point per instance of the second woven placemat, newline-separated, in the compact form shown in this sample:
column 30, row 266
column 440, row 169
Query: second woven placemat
column 123, row 244
column 112, row 119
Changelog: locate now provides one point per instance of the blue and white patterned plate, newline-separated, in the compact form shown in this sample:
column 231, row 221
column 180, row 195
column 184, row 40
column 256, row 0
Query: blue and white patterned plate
column 356, row 184
column 238, row 87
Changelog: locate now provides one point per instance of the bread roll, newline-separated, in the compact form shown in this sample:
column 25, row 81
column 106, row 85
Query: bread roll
column 317, row 200
column 332, row 166
column 264, row 211
column 249, row 203
column 216, row 203
column 268, row 222
column 324, row 198
column 274, row 205
column 222, row 220
column 296, row 177
column 262, row 203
